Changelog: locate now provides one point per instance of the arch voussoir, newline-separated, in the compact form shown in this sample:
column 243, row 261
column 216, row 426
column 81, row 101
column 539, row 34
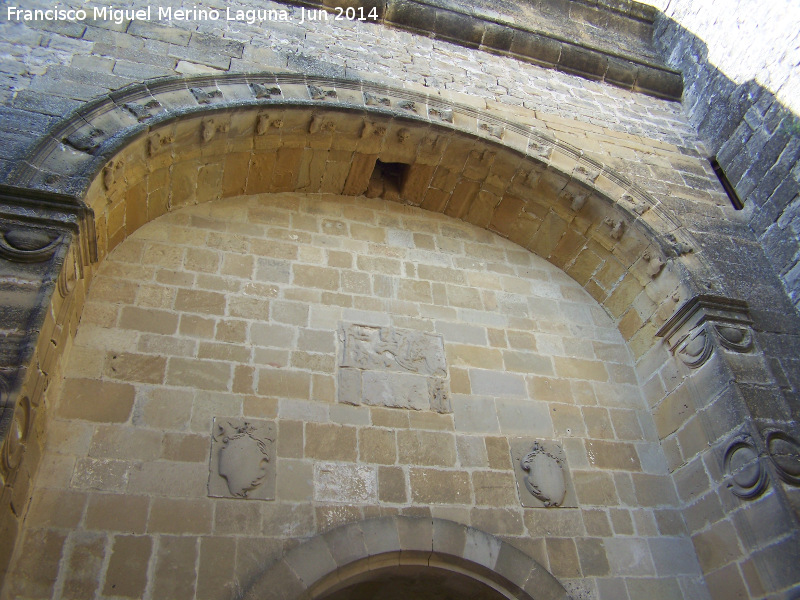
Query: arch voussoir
column 333, row 560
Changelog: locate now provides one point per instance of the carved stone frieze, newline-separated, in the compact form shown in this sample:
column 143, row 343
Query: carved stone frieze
column 696, row 348
column 86, row 140
column 398, row 368
column 654, row 263
column 634, row 204
column 591, row 173
column 734, row 337
column 262, row 91
column 319, row 124
column 617, row 227
column 578, row 202
column 205, row 97
column 540, row 469
column 707, row 322
column 262, row 124
column 374, row 100
column 540, row 148
column 496, row 131
column 14, row 444
column 110, row 173
column 371, row 129
column 209, row 128
column 142, row 112
column 443, row 114
column 242, row 463
column 392, row 349
column 318, row 93
column 158, row 142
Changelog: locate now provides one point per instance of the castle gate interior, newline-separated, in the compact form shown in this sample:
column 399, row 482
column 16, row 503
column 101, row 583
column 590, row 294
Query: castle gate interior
column 475, row 318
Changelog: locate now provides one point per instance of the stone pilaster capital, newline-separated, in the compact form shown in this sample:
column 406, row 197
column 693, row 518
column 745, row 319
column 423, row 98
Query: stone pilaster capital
column 704, row 323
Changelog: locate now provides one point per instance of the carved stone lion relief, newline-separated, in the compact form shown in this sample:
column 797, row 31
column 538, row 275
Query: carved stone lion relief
column 242, row 461
column 398, row 368
column 543, row 479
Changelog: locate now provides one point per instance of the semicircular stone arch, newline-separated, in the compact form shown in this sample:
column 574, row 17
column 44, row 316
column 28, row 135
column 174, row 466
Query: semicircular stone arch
column 150, row 149
column 375, row 549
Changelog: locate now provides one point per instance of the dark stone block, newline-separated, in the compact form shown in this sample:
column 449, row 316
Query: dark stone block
column 106, row 80
column 56, row 106
column 314, row 66
column 65, row 28
column 14, row 145
column 498, row 37
column 661, row 83
column 460, row 28
column 410, row 14
column 584, row 62
column 779, row 561
column 731, row 147
column 217, row 45
column 724, row 414
column 781, row 248
column 19, row 121
column 621, row 72
column 539, row 49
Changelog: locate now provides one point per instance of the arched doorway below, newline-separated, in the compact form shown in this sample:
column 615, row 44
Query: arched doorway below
column 411, row 581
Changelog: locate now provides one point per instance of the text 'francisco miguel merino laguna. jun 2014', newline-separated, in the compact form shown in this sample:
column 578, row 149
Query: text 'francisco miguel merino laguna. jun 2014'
column 168, row 13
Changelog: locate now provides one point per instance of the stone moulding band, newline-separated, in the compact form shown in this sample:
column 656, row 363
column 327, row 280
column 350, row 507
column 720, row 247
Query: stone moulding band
column 81, row 146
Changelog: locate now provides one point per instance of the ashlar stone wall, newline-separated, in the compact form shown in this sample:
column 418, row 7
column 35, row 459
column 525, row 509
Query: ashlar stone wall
column 237, row 310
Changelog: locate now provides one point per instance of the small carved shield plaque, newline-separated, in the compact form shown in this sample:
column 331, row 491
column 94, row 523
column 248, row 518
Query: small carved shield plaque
column 242, row 461
column 540, row 468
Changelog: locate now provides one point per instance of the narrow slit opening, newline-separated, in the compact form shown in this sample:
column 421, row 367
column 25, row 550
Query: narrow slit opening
column 726, row 184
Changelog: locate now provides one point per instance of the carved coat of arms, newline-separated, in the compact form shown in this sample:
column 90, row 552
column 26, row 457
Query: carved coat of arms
column 543, row 479
column 242, row 459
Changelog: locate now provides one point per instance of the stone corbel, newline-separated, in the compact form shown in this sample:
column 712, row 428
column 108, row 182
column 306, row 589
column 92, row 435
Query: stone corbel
column 706, row 323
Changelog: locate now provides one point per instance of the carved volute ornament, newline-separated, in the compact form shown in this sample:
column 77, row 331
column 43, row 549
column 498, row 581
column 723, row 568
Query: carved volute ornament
column 784, row 452
column 707, row 322
column 744, row 469
column 242, row 459
column 14, row 444
column 28, row 245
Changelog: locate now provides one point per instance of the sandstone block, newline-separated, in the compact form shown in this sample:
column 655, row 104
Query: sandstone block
column 434, row 486
column 117, row 512
column 127, row 569
column 93, row 400
column 347, row 484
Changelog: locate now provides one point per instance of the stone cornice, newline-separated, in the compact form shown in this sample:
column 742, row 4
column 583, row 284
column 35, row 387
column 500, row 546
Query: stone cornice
column 493, row 32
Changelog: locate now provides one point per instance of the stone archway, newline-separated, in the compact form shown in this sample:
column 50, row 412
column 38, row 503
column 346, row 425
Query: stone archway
column 408, row 550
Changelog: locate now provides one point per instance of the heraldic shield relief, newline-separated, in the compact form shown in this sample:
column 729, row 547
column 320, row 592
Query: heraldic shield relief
column 242, row 461
column 540, row 468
